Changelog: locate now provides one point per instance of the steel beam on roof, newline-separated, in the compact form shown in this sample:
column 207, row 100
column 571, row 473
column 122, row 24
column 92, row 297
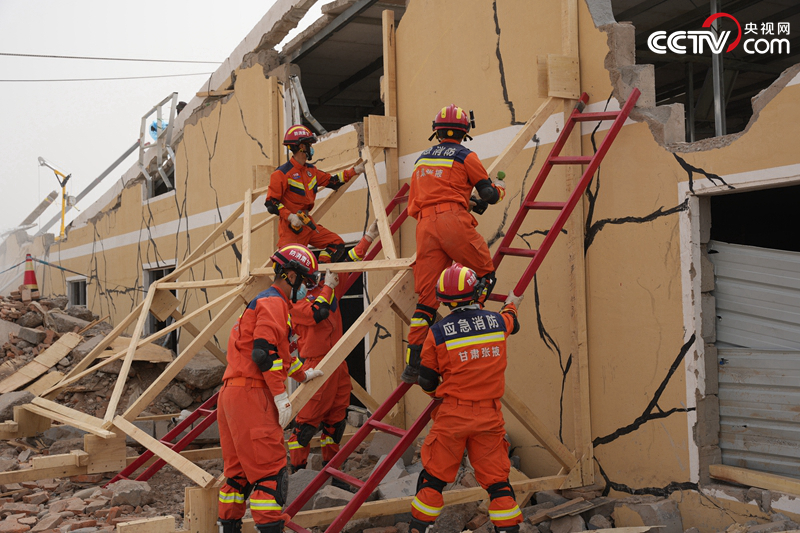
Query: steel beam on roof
column 352, row 80
column 336, row 24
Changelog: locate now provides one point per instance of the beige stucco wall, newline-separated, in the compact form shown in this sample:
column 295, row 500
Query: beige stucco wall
column 644, row 345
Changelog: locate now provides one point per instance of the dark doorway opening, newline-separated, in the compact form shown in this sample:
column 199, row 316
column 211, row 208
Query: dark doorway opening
column 154, row 325
column 352, row 307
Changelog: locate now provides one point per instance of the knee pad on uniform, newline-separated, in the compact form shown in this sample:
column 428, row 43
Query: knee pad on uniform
column 336, row 431
column 271, row 527
column 233, row 525
column 419, row 526
column 428, row 480
column 500, row 489
column 304, row 433
column 240, row 483
column 281, row 490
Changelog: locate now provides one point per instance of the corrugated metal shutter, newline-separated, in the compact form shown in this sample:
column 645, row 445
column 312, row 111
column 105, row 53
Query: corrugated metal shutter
column 757, row 295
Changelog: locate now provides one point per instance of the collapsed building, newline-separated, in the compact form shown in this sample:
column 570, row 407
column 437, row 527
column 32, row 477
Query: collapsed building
column 660, row 335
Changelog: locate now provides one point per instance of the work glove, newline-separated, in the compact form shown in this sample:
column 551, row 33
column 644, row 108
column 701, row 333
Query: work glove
column 499, row 183
column 359, row 168
column 372, row 233
column 477, row 205
column 284, row 408
column 295, row 221
column 514, row 299
column 312, row 373
column 331, row 279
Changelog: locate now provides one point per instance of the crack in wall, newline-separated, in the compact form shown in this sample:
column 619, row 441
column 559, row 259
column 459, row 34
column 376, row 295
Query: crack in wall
column 596, row 227
column 244, row 125
column 648, row 414
column 691, row 170
column 499, row 55
column 662, row 492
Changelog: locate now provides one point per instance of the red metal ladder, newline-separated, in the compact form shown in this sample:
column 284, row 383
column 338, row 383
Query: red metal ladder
column 592, row 162
column 208, row 410
column 565, row 209
column 365, row 488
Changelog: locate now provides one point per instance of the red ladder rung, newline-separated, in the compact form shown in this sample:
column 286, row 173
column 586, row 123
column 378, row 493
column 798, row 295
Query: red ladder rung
column 495, row 297
column 603, row 115
column 205, row 412
column 387, row 428
column 571, row 160
column 518, row 252
column 553, row 206
column 338, row 474
column 167, row 443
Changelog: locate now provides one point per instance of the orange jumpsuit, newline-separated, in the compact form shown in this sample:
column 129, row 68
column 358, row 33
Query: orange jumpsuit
column 329, row 405
column 251, row 437
column 293, row 187
column 441, row 184
column 468, row 350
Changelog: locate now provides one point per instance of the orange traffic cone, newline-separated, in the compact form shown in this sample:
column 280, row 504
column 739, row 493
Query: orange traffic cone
column 30, row 275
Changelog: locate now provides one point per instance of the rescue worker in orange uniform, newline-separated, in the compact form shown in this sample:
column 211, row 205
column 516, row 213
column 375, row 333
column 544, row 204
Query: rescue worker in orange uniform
column 467, row 351
column 253, row 406
column 293, row 189
column 318, row 321
column 439, row 198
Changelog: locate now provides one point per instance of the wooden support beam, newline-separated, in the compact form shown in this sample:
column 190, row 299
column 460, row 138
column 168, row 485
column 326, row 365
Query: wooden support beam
column 44, row 383
column 200, row 284
column 41, row 363
column 68, row 416
column 122, row 378
column 200, row 509
column 523, row 136
column 536, row 427
column 105, row 455
column 156, row 524
column 401, row 286
column 194, row 332
column 375, row 265
column 244, row 270
column 35, row 474
column 363, row 396
column 389, row 250
column 174, row 459
column 752, row 478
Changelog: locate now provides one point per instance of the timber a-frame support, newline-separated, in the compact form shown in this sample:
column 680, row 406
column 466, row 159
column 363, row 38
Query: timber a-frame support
column 105, row 449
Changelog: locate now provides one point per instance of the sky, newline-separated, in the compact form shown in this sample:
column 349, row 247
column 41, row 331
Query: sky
column 83, row 126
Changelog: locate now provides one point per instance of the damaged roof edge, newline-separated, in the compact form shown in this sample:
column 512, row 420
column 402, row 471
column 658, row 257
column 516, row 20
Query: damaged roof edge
column 282, row 17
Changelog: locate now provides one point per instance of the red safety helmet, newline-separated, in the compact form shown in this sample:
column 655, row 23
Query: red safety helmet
column 298, row 258
column 457, row 284
column 451, row 119
column 297, row 135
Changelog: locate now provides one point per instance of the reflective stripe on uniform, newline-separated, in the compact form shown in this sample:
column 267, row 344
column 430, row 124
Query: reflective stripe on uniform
column 433, row 512
column 326, row 441
column 312, row 184
column 353, row 255
column 504, row 514
column 294, row 445
column 264, row 505
column 231, row 497
column 296, row 365
column 494, row 336
column 434, row 162
column 277, row 365
column 419, row 323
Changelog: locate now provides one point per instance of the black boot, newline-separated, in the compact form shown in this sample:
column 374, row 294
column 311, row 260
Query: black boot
column 418, row 526
column 507, row 529
column 230, row 525
column 272, row 527
column 411, row 372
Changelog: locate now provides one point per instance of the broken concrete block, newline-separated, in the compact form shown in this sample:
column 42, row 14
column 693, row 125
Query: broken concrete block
column 356, row 418
column 64, row 323
column 83, row 349
column 177, row 395
column 10, row 400
column 600, row 522
column 708, row 455
column 382, row 444
column 655, row 513
column 531, row 510
column 203, row 371
column 706, row 430
column 331, row 496
column 133, row 493
column 455, row 517
column 82, row 312
column 568, row 524
column 33, row 336
column 772, row 527
column 30, row 320
column 66, row 445
column 708, row 318
column 399, row 488
column 550, row 496
column 299, row 481
column 8, row 328
column 396, row 472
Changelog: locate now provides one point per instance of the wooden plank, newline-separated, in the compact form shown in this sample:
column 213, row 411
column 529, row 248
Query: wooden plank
column 222, row 316
column 97, row 350
column 200, row 284
column 122, row 378
column 35, row 474
column 200, row 509
column 174, row 459
column 41, row 363
column 541, row 80
column 197, row 253
column 75, row 422
column 363, row 396
column 536, row 427
column 563, row 77
column 523, row 136
column 244, row 270
column 377, row 265
column 65, row 459
column 402, row 283
column 164, row 303
column 105, row 455
column 158, row 524
column 44, row 383
column 752, row 478
column 389, row 250
column 145, row 352
column 29, row 424
column 320, row 517
column 542, row 515
column 261, row 175
column 571, row 510
column 381, row 131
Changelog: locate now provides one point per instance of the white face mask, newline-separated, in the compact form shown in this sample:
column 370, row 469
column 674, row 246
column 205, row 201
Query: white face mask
column 300, row 292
